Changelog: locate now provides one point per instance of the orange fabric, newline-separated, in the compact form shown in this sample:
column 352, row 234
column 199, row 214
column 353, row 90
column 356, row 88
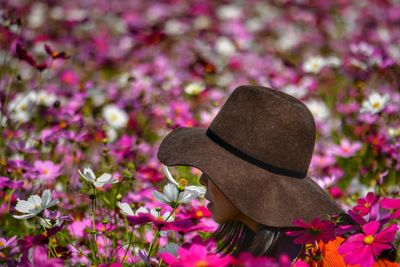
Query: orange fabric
column 332, row 258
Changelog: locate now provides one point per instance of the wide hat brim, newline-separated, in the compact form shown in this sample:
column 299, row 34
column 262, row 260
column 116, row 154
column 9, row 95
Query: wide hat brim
column 268, row 198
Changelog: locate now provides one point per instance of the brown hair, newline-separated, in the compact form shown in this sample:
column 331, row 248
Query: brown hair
column 235, row 237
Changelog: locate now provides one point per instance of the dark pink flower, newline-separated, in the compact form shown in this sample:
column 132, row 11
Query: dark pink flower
column 363, row 248
column 54, row 53
column 364, row 205
column 246, row 259
column 195, row 256
column 40, row 259
column 313, row 232
column 392, row 204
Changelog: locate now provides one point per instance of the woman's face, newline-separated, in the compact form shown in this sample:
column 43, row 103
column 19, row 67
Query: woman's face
column 221, row 207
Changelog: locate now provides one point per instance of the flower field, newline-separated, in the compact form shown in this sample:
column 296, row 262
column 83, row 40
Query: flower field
column 89, row 89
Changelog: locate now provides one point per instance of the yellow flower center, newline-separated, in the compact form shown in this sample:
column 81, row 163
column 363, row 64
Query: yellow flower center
column 376, row 105
column 201, row 264
column 1, row 244
column 368, row 240
column 113, row 117
column 45, row 171
column 199, row 213
column 183, row 182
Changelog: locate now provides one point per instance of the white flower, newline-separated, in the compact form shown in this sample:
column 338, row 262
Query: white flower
column 194, row 88
column 45, row 98
column 104, row 179
column 21, row 106
column 127, row 210
column 225, row 46
column 115, row 117
column 316, row 63
column 34, row 205
column 374, row 103
column 175, row 193
column 318, row 108
column 394, row 132
column 227, row 12
column 199, row 191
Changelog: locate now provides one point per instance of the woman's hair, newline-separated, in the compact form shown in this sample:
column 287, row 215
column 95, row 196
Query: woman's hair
column 235, row 237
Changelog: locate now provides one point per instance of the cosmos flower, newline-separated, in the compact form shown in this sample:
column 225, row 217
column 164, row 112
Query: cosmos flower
column 104, row 179
column 364, row 205
column 48, row 171
column 127, row 210
column 313, row 232
column 175, row 193
column 346, row 148
column 375, row 103
column 318, row 109
column 392, row 203
column 115, row 117
column 246, row 259
column 196, row 255
column 9, row 246
column 363, row 248
column 316, row 63
column 34, row 205
column 194, row 88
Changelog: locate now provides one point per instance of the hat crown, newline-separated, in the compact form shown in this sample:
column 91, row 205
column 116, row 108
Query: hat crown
column 267, row 125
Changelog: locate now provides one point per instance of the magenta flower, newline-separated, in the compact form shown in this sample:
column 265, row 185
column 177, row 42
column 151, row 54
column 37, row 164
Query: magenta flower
column 364, row 205
column 346, row 149
column 48, row 171
column 392, row 204
column 313, row 232
column 246, row 259
column 363, row 248
column 195, row 256
column 40, row 258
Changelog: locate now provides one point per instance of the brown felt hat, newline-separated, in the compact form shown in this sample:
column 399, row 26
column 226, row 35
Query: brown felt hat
column 257, row 151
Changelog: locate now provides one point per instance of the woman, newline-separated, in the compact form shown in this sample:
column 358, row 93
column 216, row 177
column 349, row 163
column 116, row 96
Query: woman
column 254, row 157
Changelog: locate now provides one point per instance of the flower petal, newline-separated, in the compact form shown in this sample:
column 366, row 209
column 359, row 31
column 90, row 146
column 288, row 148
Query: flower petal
column 125, row 208
column 24, row 206
column 199, row 191
column 160, row 197
column 371, row 227
column 169, row 176
column 25, row 216
column 105, row 177
column 171, row 192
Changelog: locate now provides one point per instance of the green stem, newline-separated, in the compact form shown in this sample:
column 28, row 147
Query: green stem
column 129, row 245
column 157, row 234
column 95, row 247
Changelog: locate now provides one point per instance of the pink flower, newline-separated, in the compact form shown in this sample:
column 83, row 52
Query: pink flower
column 362, row 248
column 195, row 256
column 48, row 171
column 364, row 205
column 313, row 232
column 39, row 258
column 246, row 259
column 346, row 149
column 392, row 203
